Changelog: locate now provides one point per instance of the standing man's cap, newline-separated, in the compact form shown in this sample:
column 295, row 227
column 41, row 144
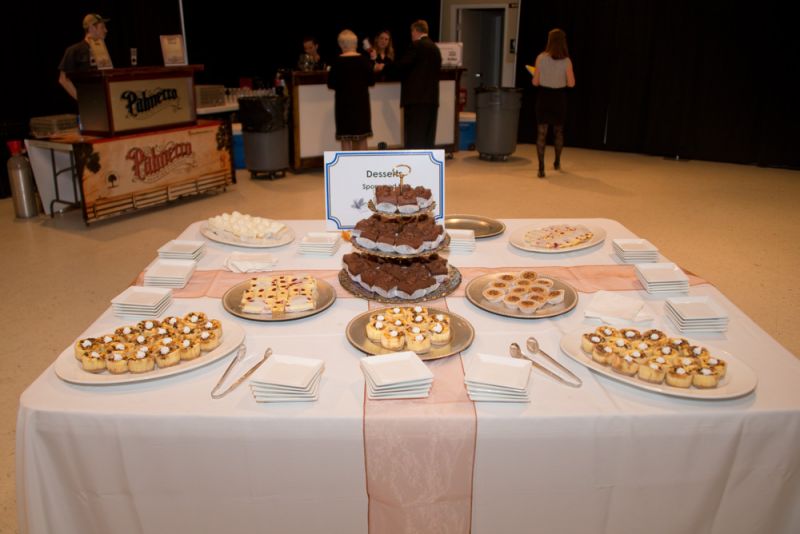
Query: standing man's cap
column 92, row 19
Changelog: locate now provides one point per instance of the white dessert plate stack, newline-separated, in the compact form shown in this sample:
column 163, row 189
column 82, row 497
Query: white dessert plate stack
column 696, row 314
column 181, row 249
column 635, row 250
column 399, row 375
column 461, row 241
column 320, row 243
column 285, row 378
column 662, row 277
column 169, row 273
column 138, row 301
column 498, row 379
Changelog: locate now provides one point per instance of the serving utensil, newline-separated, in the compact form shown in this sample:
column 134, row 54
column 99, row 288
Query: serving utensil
column 533, row 346
column 236, row 359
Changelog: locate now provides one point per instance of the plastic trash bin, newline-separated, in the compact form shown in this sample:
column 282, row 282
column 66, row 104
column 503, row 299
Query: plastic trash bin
column 265, row 134
column 497, row 120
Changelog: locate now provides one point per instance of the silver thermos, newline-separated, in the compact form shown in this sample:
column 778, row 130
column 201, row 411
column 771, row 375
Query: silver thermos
column 22, row 186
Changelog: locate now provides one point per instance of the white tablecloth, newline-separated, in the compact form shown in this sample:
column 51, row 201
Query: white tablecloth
column 162, row 456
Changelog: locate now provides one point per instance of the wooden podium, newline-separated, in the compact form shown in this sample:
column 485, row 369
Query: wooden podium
column 137, row 99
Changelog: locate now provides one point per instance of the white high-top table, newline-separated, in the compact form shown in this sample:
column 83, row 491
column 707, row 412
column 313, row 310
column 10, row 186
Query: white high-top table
column 162, row 456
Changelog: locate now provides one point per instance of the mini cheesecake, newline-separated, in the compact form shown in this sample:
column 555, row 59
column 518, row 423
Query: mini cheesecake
column 375, row 329
column 602, row 353
column 608, row 332
column 440, row 333
column 392, row 339
column 529, row 306
column 208, row 340
column 589, row 340
column 86, row 344
column 654, row 370
column 631, row 335
column 625, row 365
column 512, row 301
column 654, row 337
column 189, row 347
column 166, row 354
column 555, row 296
column 679, row 377
column 717, row 364
column 117, row 358
column 620, row 346
column 213, row 325
column 196, row 318
column 419, row 342
column 93, row 360
column 127, row 332
column 699, row 352
column 142, row 361
column 706, row 377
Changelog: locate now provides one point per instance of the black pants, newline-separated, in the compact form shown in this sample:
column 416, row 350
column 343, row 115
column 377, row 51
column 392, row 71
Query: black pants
column 419, row 125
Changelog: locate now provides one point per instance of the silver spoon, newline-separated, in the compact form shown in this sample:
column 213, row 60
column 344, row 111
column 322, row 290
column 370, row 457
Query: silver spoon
column 516, row 352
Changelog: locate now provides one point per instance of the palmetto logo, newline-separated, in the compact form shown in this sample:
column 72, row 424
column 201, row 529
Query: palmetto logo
column 147, row 103
column 150, row 164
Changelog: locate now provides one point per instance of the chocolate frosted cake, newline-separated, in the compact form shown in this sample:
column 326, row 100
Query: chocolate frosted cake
column 408, row 232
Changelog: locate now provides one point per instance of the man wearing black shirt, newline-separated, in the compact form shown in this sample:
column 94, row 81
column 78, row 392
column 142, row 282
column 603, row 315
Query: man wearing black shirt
column 78, row 57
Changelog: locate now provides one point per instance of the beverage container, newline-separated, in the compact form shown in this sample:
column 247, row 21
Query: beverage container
column 134, row 57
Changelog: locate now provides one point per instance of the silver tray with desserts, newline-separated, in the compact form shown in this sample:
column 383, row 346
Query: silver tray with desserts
column 285, row 237
column 739, row 379
column 482, row 226
column 381, row 254
column 232, row 302
column 69, row 369
column 474, row 293
column 422, row 211
column 462, row 336
column 447, row 287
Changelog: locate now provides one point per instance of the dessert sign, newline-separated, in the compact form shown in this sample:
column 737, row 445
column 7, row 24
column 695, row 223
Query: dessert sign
column 351, row 179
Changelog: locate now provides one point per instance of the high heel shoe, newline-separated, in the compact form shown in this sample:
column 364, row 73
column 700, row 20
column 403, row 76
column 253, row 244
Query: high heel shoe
column 540, row 174
column 557, row 164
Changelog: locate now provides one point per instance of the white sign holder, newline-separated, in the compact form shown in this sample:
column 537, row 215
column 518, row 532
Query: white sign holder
column 351, row 178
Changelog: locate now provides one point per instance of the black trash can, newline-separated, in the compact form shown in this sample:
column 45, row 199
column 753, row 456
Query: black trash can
column 497, row 120
column 265, row 134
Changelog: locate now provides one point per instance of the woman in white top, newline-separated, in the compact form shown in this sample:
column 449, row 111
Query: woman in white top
column 552, row 76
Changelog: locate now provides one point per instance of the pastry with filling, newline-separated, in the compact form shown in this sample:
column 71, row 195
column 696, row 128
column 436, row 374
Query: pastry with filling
column 631, row 335
column 189, row 347
column 172, row 321
column 86, row 344
column 620, row 346
column 512, row 301
column 555, row 296
column 500, row 284
column 654, row 337
column 492, row 294
column 602, row 353
column 506, row 277
column 528, row 275
column 196, row 318
column 589, row 340
column 544, row 282
column 166, row 354
column 419, row 342
column 440, row 333
column 213, row 325
column 679, row 377
column 706, row 377
column 93, row 360
column 626, row 365
column 654, row 370
column 117, row 358
column 392, row 314
column 607, row 331
column 208, row 340
column 392, row 339
column 375, row 329
column 529, row 306
column 142, row 360
column 699, row 352
column 717, row 364
column 127, row 333
column 539, row 291
column 522, row 282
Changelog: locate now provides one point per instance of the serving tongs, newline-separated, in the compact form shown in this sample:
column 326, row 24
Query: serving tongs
column 236, row 359
column 533, row 346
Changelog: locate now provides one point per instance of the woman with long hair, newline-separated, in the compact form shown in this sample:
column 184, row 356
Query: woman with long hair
column 382, row 53
column 552, row 76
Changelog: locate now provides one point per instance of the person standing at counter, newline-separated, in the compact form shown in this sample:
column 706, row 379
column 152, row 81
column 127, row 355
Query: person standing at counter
column 311, row 59
column 552, row 76
column 78, row 57
column 350, row 77
column 382, row 53
column 419, row 89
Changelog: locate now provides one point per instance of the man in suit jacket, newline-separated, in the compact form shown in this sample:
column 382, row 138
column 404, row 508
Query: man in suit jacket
column 419, row 90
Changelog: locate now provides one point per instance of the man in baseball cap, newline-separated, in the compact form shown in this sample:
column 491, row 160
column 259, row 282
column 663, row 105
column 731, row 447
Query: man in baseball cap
column 78, row 57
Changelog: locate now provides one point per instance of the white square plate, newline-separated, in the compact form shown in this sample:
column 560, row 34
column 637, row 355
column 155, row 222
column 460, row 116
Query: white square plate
column 326, row 239
column 142, row 297
column 285, row 370
column 634, row 245
column 182, row 247
column 170, row 269
column 502, row 371
column 395, row 368
column 661, row 273
column 700, row 307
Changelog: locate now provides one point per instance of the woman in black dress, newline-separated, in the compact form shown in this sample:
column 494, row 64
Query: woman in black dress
column 382, row 54
column 351, row 77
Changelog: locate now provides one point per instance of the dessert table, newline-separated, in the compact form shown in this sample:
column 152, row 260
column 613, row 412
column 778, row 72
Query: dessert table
column 161, row 455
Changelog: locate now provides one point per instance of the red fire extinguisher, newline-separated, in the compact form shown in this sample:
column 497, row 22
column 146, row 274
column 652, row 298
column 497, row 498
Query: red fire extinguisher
column 20, row 175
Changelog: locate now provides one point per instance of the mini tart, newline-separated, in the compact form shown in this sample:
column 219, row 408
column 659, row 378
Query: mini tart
column 86, row 344
column 637, row 355
column 589, row 340
column 141, row 340
column 148, row 326
column 528, row 275
column 208, row 340
column 529, row 306
column 620, row 346
column 189, row 347
column 555, row 296
column 166, row 354
column 667, row 352
column 392, row 339
column 626, row 365
column 419, row 320
column 717, row 364
column 518, row 290
column 706, row 378
column 440, row 318
column 419, row 343
column 117, row 360
column 512, row 301
column 142, row 361
column 500, row 284
column 506, row 277
column 608, row 332
column 679, row 344
column 522, row 282
column 653, row 370
column 679, row 377
column 196, row 318
column 440, row 333
column 539, row 291
column 697, row 351
column 213, row 325
column 602, row 353
column 631, row 335
column 127, row 332
column 172, row 321
column 544, row 282
column 687, row 362
column 187, row 329
column 419, row 310
column 375, row 329
column 654, row 337
column 377, row 317
column 393, row 314
column 93, row 360
column 492, row 294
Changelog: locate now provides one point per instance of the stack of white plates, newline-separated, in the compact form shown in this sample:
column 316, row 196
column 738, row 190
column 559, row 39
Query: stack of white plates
column 180, row 249
column 169, row 273
column 399, row 375
column 138, row 301
column 498, row 379
column 320, row 243
column 635, row 250
column 696, row 314
column 287, row 379
column 461, row 241
column 662, row 277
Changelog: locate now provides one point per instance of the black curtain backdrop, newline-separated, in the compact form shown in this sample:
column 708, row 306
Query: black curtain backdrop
column 683, row 79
